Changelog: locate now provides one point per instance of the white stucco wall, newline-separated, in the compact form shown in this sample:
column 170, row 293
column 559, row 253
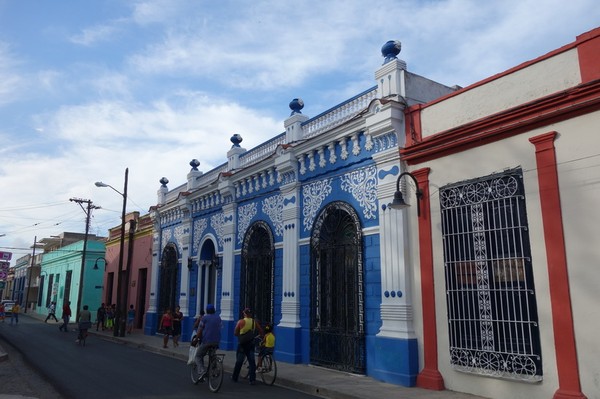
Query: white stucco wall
column 537, row 80
column 578, row 153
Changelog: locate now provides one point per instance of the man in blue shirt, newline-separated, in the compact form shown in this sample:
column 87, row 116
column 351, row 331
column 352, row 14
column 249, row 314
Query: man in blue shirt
column 209, row 335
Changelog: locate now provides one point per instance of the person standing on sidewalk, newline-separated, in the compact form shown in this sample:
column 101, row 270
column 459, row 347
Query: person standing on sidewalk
column 66, row 315
column 14, row 315
column 166, row 326
column 177, row 319
column 100, row 316
column 51, row 312
column 246, row 325
column 130, row 319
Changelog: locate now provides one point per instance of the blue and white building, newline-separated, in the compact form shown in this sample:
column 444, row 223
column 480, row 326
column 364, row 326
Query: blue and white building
column 298, row 230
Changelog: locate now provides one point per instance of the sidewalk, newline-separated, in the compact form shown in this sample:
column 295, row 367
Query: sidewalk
column 305, row 378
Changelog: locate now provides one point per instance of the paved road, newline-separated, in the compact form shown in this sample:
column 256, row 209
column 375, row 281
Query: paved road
column 107, row 369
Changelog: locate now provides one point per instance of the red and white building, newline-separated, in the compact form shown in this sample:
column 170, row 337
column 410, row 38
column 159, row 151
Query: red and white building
column 506, row 243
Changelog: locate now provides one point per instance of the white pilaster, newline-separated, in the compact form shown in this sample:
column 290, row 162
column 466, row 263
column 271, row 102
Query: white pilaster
column 227, row 270
column 290, row 305
column 155, row 269
column 185, row 273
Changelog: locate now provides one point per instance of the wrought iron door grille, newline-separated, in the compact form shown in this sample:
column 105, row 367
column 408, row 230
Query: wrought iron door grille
column 492, row 311
column 167, row 297
column 257, row 276
column 337, row 337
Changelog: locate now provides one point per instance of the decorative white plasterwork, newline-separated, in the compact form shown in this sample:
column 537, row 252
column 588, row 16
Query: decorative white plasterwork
column 311, row 161
column 273, row 208
column 199, row 226
column 302, row 164
column 179, row 234
column 166, row 237
column 344, row 149
column 386, row 141
column 322, row 160
column 245, row 215
column 217, row 221
column 355, row 144
column 362, row 184
column 332, row 156
column 314, row 194
column 368, row 142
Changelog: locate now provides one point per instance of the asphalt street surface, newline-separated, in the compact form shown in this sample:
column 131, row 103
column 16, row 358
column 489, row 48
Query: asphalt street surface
column 46, row 363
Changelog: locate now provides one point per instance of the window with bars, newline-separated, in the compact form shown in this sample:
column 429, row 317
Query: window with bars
column 492, row 311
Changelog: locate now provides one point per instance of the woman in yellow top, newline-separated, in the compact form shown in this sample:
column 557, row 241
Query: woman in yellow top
column 246, row 325
column 267, row 345
column 14, row 315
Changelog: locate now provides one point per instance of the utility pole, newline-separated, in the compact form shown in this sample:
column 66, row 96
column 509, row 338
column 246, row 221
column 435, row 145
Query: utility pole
column 30, row 273
column 88, row 214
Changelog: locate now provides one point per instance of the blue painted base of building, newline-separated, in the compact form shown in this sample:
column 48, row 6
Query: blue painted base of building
column 288, row 344
column 151, row 324
column 393, row 360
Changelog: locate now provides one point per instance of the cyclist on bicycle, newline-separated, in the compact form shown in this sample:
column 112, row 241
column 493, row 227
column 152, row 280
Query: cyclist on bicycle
column 267, row 346
column 208, row 335
column 85, row 317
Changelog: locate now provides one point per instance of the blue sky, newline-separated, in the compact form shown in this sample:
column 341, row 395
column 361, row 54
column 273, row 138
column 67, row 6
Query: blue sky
column 89, row 88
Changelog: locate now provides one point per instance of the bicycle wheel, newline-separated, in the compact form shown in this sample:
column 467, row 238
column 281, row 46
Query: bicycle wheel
column 269, row 370
column 194, row 373
column 215, row 373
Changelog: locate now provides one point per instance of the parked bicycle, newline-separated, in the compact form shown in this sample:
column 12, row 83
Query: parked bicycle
column 214, row 370
column 268, row 371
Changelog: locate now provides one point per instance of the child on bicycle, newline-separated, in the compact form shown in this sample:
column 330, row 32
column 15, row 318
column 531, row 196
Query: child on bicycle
column 267, row 346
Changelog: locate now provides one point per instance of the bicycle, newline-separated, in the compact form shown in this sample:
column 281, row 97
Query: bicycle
column 214, row 371
column 268, row 371
column 83, row 332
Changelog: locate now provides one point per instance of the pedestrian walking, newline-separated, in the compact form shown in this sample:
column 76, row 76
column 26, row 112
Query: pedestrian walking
column 2, row 312
column 130, row 319
column 66, row 315
column 14, row 315
column 51, row 312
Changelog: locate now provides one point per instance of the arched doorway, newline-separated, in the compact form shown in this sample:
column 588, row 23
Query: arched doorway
column 208, row 266
column 256, row 279
column 337, row 337
column 167, row 293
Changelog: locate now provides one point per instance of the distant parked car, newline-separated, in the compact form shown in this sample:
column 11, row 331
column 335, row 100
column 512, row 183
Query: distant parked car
column 8, row 305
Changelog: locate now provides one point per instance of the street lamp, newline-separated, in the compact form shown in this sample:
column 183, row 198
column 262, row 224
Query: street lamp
column 96, row 263
column 398, row 202
column 120, row 313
